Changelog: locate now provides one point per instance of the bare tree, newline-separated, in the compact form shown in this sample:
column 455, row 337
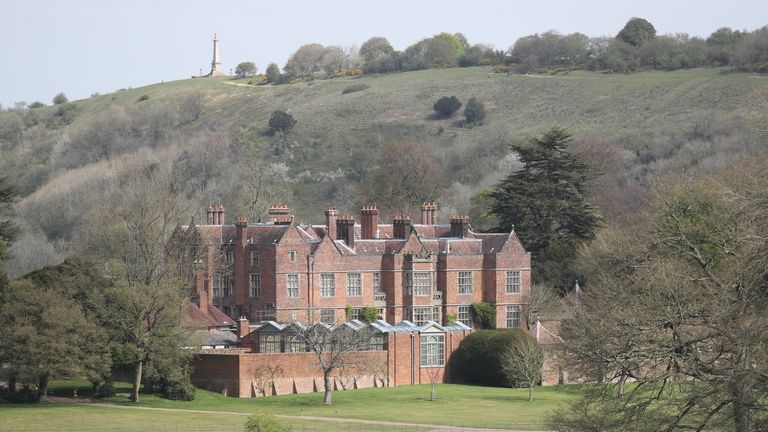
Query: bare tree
column 192, row 108
column 521, row 363
column 128, row 237
column 335, row 348
column 263, row 377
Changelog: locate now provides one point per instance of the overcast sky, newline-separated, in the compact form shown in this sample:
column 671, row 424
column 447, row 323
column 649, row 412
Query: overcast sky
column 86, row 46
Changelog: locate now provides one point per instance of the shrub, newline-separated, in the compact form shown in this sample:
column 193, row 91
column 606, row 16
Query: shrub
column 36, row 104
column 478, row 358
column 484, row 315
column 348, row 312
column 355, row 88
column 60, row 98
column 450, row 317
column 369, row 314
column 281, row 121
column 263, row 422
column 142, row 98
column 474, row 112
column 446, row 106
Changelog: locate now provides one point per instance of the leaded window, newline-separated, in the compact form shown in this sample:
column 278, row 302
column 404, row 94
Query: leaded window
column 465, row 315
column 217, row 284
column 328, row 316
column 376, row 282
column 422, row 315
column 432, row 350
column 292, row 285
column 465, row 282
column 254, row 258
column 269, row 343
column 513, row 282
column 255, row 284
column 513, row 316
column 354, row 284
column 295, row 343
column 327, row 285
column 356, row 314
column 422, row 283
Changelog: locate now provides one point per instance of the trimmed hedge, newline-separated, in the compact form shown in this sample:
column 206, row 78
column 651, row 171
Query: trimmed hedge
column 478, row 358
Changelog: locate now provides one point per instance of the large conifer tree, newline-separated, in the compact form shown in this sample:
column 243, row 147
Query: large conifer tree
column 546, row 204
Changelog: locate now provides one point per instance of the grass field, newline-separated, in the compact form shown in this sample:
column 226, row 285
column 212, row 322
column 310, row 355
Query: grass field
column 457, row 406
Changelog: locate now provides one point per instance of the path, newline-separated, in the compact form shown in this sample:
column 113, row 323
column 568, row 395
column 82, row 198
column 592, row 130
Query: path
column 432, row 427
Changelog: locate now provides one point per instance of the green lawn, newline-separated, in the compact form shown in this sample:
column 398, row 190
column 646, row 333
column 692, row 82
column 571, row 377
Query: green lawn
column 71, row 417
column 457, row 405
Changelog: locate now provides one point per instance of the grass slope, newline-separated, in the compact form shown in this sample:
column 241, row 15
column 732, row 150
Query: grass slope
column 457, row 405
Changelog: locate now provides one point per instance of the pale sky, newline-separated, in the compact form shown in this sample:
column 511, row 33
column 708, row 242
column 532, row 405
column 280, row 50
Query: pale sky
column 86, row 46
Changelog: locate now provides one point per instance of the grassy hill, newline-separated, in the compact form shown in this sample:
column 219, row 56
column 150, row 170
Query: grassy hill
column 68, row 159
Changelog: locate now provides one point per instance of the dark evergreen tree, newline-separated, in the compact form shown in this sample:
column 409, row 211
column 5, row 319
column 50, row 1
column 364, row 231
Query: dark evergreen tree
column 281, row 121
column 474, row 112
column 446, row 106
column 546, row 204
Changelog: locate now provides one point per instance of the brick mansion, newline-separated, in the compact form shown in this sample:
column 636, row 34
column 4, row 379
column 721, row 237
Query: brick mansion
column 253, row 280
column 283, row 271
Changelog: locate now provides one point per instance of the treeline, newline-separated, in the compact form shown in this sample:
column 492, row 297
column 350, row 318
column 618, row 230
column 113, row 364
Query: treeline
column 635, row 47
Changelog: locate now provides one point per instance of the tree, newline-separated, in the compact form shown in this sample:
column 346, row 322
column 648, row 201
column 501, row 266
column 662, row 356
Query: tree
column 407, row 175
column 446, row 106
column 192, row 108
column 127, row 238
column 678, row 306
column 46, row 336
column 273, row 73
column 474, row 112
column 378, row 55
column 306, row 60
column 60, row 98
column 636, row 32
column 281, row 121
column 484, row 314
column 545, row 202
column 521, row 363
column 334, row 347
column 7, row 228
column 245, row 69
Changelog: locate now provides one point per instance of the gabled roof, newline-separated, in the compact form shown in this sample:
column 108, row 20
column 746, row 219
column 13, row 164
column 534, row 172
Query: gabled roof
column 214, row 317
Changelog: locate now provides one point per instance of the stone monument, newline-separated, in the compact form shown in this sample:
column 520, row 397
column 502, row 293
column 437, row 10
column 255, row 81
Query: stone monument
column 216, row 63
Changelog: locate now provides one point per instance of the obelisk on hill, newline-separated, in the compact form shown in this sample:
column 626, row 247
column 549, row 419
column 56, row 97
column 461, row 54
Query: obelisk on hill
column 216, row 63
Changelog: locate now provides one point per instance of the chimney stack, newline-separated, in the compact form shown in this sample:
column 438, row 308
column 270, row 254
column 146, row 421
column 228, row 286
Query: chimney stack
column 218, row 214
column 459, row 226
column 243, row 328
column 330, row 222
column 429, row 213
column 369, row 216
column 210, row 214
column 345, row 229
column 401, row 226
column 280, row 214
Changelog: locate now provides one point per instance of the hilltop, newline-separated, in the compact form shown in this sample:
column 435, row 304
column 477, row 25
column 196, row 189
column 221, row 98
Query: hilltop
column 69, row 159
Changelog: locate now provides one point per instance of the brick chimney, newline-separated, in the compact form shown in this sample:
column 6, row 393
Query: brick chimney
column 219, row 218
column 345, row 229
column 401, row 226
column 429, row 213
column 243, row 328
column 210, row 214
column 369, row 221
column 241, row 223
column 330, row 222
column 459, row 226
column 279, row 214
